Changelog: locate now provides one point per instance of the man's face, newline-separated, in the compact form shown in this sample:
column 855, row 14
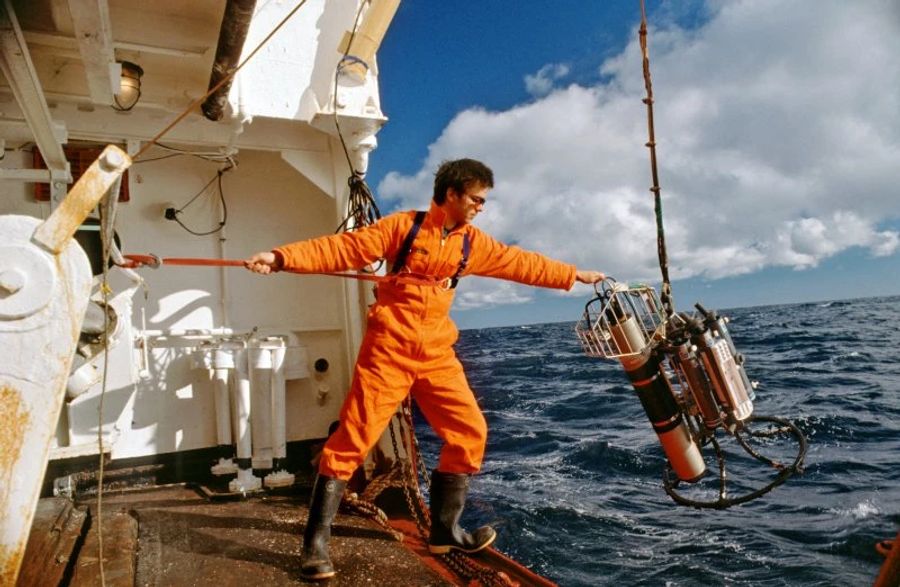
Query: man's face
column 463, row 208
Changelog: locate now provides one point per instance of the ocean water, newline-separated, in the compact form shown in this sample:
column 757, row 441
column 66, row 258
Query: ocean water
column 572, row 479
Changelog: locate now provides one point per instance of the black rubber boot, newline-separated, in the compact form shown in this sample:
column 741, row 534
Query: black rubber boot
column 326, row 497
column 448, row 497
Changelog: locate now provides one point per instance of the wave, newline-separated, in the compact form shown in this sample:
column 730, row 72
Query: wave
column 573, row 470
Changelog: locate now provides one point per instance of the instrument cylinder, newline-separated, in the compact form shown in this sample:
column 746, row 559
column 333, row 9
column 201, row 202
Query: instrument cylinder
column 722, row 330
column 655, row 394
column 691, row 369
column 628, row 336
column 726, row 376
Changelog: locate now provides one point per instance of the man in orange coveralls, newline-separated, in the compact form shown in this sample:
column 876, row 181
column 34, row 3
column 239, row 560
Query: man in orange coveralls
column 408, row 346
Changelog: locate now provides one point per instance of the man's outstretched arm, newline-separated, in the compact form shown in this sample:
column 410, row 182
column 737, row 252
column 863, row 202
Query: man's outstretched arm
column 339, row 252
column 491, row 258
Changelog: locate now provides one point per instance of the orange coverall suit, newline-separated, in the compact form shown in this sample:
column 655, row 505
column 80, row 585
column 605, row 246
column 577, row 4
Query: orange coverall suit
column 408, row 345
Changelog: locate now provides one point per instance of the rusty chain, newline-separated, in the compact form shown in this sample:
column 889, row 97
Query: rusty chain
column 460, row 564
column 407, row 478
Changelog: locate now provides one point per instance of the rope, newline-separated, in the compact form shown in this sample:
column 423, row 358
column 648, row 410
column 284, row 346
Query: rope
column 666, row 294
column 104, row 287
column 216, row 87
column 670, row 484
column 107, row 211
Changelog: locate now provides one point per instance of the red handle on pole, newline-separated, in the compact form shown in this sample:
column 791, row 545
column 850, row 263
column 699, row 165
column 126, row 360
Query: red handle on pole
column 135, row 261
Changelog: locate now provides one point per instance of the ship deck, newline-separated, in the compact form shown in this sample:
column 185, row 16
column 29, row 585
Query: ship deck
column 182, row 534
column 176, row 535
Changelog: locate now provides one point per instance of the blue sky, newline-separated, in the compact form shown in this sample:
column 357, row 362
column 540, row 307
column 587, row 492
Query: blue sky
column 778, row 130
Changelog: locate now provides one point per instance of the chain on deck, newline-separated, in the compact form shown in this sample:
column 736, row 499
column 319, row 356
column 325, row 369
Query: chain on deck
column 402, row 475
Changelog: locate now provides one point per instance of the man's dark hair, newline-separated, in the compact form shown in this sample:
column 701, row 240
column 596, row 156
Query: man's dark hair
column 460, row 175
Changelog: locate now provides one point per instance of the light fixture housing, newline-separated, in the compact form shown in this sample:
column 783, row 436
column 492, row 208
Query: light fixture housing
column 129, row 87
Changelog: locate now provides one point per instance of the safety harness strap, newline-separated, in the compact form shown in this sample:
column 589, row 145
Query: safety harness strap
column 400, row 262
column 462, row 262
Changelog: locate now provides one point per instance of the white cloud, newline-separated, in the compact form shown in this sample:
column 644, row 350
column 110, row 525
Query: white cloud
column 499, row 293
column 541, row 83
column 778, row 131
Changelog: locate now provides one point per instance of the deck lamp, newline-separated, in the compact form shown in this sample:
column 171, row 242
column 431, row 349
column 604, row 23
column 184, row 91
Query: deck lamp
column 129, row 87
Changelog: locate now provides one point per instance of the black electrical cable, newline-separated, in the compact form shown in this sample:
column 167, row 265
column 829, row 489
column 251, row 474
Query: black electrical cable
column 224, row 220
column 176, row 152
column 337, row 74
column 206, row 156
column 169, row 156
column 198, row 194
column 361, row 206
column 784, row 471
column 362, row 210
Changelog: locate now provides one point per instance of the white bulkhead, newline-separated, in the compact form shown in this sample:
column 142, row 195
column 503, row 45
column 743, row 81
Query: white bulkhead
column 283, row 176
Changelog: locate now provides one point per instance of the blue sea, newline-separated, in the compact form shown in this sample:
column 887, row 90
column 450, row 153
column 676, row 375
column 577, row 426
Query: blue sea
column 573, row 474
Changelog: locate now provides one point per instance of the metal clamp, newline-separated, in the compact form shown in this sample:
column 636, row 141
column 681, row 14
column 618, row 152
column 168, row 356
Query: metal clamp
column 135, row 261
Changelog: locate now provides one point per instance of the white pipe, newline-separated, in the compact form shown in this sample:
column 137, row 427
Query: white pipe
column 261, row 399
column 279, row 435
column 223, row 364
column 223, row 409
column 279, row 477
column 242, row 406
column 198, row 333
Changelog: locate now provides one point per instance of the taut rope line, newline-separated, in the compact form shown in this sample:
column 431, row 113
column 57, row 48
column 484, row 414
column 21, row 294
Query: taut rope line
column 666, row 293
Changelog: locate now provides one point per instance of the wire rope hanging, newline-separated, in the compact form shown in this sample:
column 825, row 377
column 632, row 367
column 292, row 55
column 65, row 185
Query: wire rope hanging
column 687, row 372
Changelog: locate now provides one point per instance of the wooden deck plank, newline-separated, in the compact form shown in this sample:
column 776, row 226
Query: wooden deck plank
column 120, row 531
column 55, row 533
